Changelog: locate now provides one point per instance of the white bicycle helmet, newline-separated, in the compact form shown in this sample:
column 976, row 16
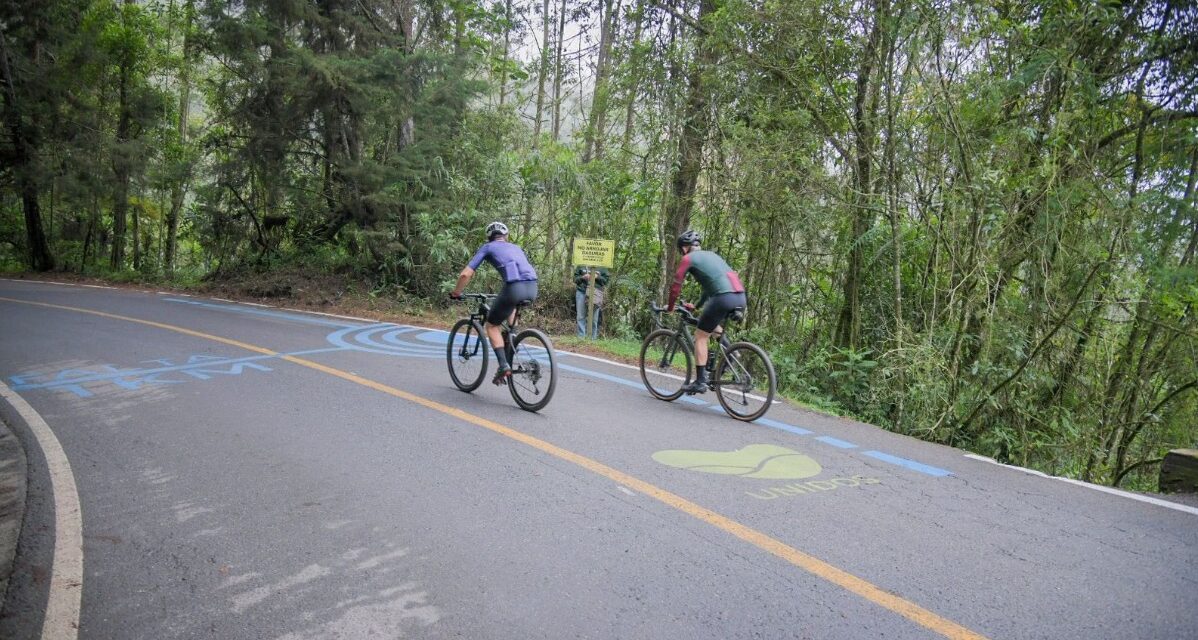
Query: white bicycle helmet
column 496, row 229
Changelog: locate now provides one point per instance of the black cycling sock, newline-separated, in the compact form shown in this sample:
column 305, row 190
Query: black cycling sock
column 501, row 357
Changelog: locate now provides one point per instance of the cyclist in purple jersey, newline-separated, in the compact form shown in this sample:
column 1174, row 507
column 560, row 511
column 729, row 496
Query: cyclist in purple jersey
column 519, row 287
column 722, row 294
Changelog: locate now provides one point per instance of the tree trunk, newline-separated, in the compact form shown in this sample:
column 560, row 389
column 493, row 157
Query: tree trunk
column 634, row 86
column 23, row 140
column 542, row 72
column 507, row 48
column 136, row 240
column 557, row 71
column 179, row 188
column 691, row 138
column 848, row 331
column 593, row 143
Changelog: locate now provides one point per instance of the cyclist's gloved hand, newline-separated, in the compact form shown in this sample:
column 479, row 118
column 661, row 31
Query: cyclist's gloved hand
column 688, row 306
column 455, row 296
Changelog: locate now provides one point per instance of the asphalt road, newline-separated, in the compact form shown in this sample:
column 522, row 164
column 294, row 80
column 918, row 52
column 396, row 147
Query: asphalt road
column 246, row 472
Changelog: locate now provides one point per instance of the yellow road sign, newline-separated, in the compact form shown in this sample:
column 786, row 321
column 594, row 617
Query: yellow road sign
column 594, row 253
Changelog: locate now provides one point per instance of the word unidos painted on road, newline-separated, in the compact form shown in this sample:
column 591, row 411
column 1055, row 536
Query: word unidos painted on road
column 85, row 382
column 815, row 486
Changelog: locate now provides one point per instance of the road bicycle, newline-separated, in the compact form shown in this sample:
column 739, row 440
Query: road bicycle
column 530, row 353
column 743, row 377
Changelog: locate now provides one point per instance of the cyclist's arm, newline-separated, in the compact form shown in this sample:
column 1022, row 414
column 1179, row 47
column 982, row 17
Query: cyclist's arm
column 468, row 272
column 679, row 278
column 463, row 280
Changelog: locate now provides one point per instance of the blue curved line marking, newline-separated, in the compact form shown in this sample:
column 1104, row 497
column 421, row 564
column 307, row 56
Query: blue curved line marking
column 371, row 339
column 433, row 335
column 393, row 337
column 358, row 338
column 338, row 337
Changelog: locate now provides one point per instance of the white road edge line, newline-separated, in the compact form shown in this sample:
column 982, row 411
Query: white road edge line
column 61, row 284
column 66, row 576
column 1097, row 487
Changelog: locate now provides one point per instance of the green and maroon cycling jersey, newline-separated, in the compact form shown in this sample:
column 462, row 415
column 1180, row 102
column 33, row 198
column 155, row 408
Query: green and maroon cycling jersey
column 712, row 273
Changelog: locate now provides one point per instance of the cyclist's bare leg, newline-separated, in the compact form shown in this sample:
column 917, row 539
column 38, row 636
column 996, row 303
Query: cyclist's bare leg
column 701, row 338
column 699, row 385
column 495, row 335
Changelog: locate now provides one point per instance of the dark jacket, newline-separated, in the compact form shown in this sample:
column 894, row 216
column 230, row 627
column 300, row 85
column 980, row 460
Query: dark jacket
column 581, row 282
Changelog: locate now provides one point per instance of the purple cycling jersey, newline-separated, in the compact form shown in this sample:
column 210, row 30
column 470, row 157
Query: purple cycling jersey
column 508, row 259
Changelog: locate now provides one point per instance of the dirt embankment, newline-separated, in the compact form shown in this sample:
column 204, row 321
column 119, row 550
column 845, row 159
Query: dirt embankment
column 329, row 293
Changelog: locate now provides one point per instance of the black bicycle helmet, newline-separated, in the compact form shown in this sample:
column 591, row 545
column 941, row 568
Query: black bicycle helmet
column 688, row 238
column 496, row 229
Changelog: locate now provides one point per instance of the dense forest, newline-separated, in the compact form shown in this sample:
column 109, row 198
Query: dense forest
column 972, row 222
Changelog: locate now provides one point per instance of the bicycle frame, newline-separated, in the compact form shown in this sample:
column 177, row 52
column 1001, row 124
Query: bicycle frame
column 735, row 365
column 480, row 315
column 687, row 320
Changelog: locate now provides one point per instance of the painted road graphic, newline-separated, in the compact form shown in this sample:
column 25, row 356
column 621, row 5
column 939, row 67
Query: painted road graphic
column 754, row 461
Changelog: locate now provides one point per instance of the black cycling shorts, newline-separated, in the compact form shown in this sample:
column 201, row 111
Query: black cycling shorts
column 512, row 294
column 717, row 309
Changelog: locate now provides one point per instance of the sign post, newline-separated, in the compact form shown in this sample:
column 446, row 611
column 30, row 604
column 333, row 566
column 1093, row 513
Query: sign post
column 589, row 253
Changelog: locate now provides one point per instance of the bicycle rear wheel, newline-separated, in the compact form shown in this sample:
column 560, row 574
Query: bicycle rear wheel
column 665, row 364
column 467, row 353
column 745, row 381
column 534, row 370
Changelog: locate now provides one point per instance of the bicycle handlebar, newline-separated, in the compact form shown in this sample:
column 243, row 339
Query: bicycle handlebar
column 686, row 315
column 478, row 296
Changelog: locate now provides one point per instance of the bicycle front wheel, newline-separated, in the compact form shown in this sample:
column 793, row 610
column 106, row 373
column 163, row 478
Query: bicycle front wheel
column 467, row 353
column 534, row 370
column 745, row 381
column 665, row 364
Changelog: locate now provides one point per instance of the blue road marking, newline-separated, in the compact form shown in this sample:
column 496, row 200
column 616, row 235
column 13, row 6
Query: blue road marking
column 835, row 442
column 261, row 312
column 359, row 338
column 910, row 464
column 770, row 422
column 198, row 367
column 433, row 335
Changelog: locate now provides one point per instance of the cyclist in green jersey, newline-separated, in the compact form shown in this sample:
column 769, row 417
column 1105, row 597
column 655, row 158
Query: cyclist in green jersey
column 722, row 294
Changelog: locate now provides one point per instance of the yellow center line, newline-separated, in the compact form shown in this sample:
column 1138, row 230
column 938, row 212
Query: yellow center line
column 809, row 563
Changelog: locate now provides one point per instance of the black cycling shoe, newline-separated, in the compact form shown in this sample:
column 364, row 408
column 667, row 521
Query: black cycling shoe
column 502, row 376
column 699, row 385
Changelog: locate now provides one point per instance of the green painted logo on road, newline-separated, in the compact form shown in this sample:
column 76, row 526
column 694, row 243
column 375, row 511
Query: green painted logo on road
column 765, row 461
